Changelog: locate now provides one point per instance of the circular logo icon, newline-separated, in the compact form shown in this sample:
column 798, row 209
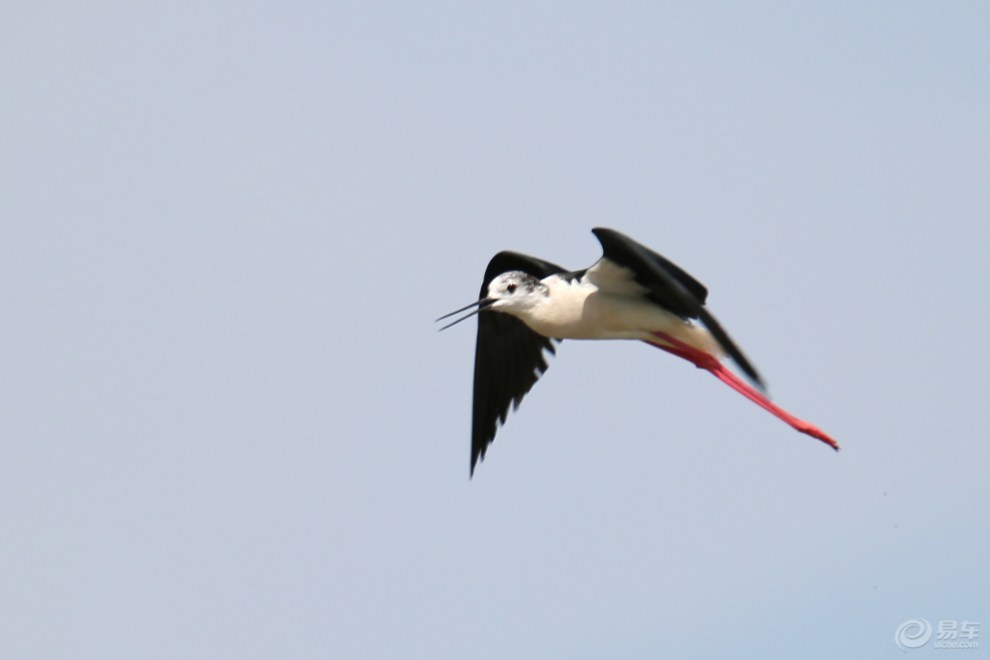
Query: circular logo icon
column 913, row 634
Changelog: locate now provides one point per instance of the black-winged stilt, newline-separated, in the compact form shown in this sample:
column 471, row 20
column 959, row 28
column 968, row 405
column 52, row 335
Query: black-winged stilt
column 630, row 293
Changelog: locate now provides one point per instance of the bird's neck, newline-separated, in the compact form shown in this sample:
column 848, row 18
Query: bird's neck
column 560, row 310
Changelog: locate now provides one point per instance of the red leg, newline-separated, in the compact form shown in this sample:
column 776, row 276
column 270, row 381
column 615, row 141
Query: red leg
column 711, row 364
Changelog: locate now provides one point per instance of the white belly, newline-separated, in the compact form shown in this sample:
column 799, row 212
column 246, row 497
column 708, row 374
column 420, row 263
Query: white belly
column 573, row 312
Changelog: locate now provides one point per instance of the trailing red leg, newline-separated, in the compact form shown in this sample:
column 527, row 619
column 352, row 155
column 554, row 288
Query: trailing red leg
column 712, row 365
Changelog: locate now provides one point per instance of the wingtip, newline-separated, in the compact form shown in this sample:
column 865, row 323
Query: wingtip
column 603, row 234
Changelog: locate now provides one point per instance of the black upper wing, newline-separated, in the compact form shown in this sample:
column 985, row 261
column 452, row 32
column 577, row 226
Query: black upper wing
column 671, row 287
column 508, row 357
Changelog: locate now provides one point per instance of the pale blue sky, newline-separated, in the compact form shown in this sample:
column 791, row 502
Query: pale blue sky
column 230, row 428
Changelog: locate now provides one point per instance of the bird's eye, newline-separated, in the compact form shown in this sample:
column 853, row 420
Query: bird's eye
column 511, row 288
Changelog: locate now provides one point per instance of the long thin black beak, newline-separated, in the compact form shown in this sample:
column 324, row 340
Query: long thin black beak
column 481, row 304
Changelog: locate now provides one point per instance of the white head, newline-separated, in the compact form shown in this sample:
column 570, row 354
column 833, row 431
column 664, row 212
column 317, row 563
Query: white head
column 514, row 292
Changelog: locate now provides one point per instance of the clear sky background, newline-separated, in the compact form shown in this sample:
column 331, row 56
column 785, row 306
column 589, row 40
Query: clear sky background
column 230, row 429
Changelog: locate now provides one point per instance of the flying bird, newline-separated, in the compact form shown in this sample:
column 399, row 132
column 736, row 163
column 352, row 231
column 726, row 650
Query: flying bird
column 527, row 304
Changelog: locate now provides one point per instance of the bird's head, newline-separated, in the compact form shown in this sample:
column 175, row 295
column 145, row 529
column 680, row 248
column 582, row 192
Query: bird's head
column 513, row 292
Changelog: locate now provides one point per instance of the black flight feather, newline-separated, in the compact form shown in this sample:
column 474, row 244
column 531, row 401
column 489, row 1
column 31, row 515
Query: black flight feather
column 508, row 358
column 671, row 287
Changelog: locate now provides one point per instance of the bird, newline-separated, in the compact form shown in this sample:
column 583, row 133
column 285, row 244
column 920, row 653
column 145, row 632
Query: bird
column 528, row 305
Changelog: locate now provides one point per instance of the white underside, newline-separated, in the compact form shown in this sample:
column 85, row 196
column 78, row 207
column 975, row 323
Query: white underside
column 607, row 304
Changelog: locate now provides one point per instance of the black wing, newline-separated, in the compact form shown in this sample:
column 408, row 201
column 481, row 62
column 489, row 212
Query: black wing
column 671, row 287
column 508, row 357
